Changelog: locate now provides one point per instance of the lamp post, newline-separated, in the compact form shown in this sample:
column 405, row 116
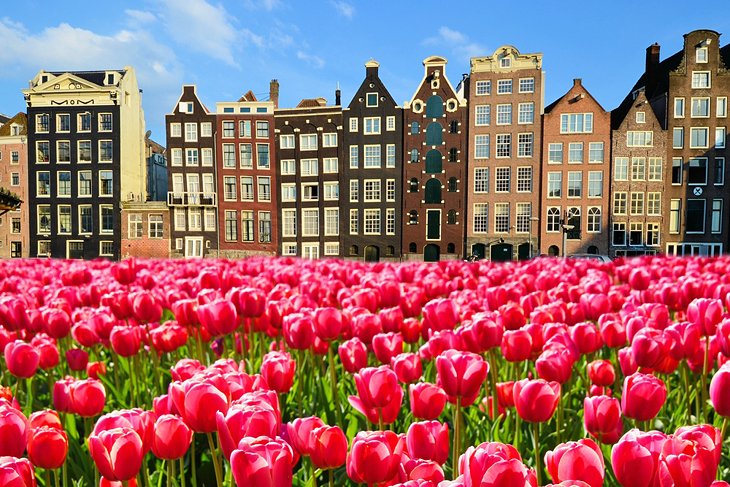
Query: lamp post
column 532, row 219
column 566, row 227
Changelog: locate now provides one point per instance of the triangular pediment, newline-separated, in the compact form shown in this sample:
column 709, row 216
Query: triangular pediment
column 64, row 82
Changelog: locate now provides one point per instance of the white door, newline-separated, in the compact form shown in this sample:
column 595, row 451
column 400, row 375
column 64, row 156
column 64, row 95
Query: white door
column 193, row 247
column 310, row 251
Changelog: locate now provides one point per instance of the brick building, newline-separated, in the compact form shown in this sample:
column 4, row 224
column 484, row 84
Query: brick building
column 14, row 225
column 145, row 230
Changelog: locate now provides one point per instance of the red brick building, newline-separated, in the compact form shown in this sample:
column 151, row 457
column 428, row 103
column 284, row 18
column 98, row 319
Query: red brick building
column 146, row 230
column 14, row 225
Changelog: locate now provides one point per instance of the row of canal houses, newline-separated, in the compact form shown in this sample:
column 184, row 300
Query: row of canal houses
column 481, row 167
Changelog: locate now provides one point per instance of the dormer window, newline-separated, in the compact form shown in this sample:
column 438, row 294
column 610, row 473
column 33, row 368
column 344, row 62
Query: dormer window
column 15, row 129
column 505, row 61
column 110, row 78
column 44, row 78
column 701, row 54
column 640, row 117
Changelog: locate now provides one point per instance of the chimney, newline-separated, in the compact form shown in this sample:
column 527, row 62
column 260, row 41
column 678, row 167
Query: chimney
column 274, row 92
column 371, row 68
column 338, row 96
column 577, row 82
column 652, row 65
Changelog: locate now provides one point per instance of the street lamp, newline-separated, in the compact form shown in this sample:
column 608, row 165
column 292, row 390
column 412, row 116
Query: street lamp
column 532, row 219
column 566, row 227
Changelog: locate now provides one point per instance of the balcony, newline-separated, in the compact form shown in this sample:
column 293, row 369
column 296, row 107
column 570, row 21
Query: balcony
column 175, row 198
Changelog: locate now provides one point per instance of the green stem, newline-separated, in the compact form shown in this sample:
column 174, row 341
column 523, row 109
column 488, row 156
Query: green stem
column 133, row 382
column 170, row 472
column 493, row 373
column 535, row 435
column 703, row 377
column 300, row 378
column 146, row 474
column 182, row 473
column 28, row 396
column 192, row 464
column 687, row 400
column 244, row 334
column 332, row 478
column 216, row 465
column 64, row 472
column 457, row 437
column 47, row 477
column 314, row 475
column 55, row 478
column 559, row 419
column 333, row 383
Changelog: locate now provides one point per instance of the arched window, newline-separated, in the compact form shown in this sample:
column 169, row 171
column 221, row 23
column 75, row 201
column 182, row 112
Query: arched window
column 451, row 217
column 413, row 217
column 434, row 107
column 434, row 134
column 452, row 185
column 450, row 248
column 412, row 248
column 414, row 155
column 433, row 191
column 414, row 127
column 389, row 250
column 553, row 251
column 353, row 250
column 593, row 250
column 433, row 162
column 574, row 220
column 454, row 127
column 414, row 185
column 453, row 154
column 594, row 220
column 553, row 219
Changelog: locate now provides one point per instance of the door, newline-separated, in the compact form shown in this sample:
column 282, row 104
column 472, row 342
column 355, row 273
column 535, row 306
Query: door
column 431, row 253
column 310, row 251
column 433, row 224
column 523, row 251
column 501, row 252
column 480, row 250
column 372, row 253
column 75, row 249
column 194, row 247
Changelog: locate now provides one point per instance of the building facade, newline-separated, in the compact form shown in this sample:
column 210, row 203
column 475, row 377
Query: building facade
column 575, row 174
column 192, row 196
column 14, row 225
column 503, row 199
column 246, row 167
column 309, row 154
column 371, row 180
column 85, row 157
column 145, row 229
column 434, row 168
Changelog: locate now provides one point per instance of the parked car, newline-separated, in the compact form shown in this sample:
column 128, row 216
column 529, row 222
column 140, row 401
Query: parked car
column 600, row 258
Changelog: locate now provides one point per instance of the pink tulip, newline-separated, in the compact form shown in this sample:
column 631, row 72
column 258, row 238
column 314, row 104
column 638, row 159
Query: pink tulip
column 461, row 375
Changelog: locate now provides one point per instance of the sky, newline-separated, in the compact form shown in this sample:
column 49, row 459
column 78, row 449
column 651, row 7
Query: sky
column 227, row 47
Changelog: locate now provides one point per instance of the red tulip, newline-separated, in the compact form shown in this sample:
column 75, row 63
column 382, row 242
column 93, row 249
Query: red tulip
column 602, row 418
column 145, row 307
column 379, row 394
column 505, row 394
column 57, row 322
column 262, row 462
column 626, row 361
column 278, row 369
column 407, row 367
column 125, row 340
column 125, row 272
column 516, row 345
column 536, row 400
column 22, row 359
column 142, row 422
column 117, row 453
column 328, row 323
column 374, row 457
column 184, row 369
column 16, row 472
column 299, row 434
column 62, row 395
column 427, row 400
column 198, row 403
column 482, row 334
column 643, row 396
column 47, row 447
column 48, row 351
column 87, row 397
column 461, row 375
column 576, row 460
column 639, row 279
column 704, row 437
column 95, row 369
column 720, row 391
column 218, row 317
column 46, row 417
column 601, row 373
column 298, row 331
column 172, row 437
column 13, row 431
column 635, row 458
column 77, row 359
column 493, row 464
column 428, row 440
column 586, row 336
column 440, row 314
column 168, row 337
column 243, row 420
column 329, row 447
column 687, row 462
column 511, row 316
column 555, row 364
column 386, row 346
column 392, row 320
column 705, row 313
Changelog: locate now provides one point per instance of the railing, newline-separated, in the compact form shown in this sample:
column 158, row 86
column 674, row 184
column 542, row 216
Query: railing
column 175, row 198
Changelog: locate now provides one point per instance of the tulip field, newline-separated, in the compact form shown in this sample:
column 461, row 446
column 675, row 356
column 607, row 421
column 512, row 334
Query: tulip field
column 275, row 372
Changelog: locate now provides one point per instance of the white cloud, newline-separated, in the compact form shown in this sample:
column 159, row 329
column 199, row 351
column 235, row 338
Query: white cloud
column 143, row 17
column 343, row 8
column 456, row 42
column 267, row 5
column 450, row 35
column 311, row 59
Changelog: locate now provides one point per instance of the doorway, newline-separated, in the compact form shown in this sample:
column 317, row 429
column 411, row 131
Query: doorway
column 372, row 253
column 431, row 253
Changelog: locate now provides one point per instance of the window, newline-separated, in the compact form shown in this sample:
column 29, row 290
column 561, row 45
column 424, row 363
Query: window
column 655, row 169
column 84, row 122
column 640, row 117
column 15, row 179
column 652, row 234
column 247, row 226
column 106, row 149
column 637, row 203
column 504, row 114
column 654, row 204
column 64, row 219
column 555, row 184
column 371, row 125
column 329, row 140
column 354, row 190
column 453, row 185
column 701, row 107
column 573, row 218
column 309, row 167
column 353, row 124
column 719, row 171
column 721, row 107
column 288, row 167
column 502, row 179
column 84, row 183
column 331, row 190
column 264, row 226
column 208, row 186
column 14, row 157
column 310, row 192
column 206, row 129
column 620, row 199
column 413, row 218
column 44, row 248
column 636, row 233
column 332, row 222
column 264, row 189
column 700, row 79
column 156, row 226
column 695, row 216
column 354, row 221
column 84, row 151
column 262, row 130
column 415, row 129
column 86, row 219
column 553, row 219
column 576, row 123
column 481, row 219
column 42, row 122
column 701, row 54
column 504, row 145
column 231, row 226
column 639, row 138
column 575, row 152
column 247, row 188
column 371, row 100
column 504, row 61
column 414, row 155
column 15, row 225
column 481, row 146
column 527, row 85
column 262, row 156
column 390, row 123
column 43, row 183
column 413, row 185
column 677, row 170
column 106, row 247
column 134, row 224
column 575, row 184
column 524, row 145
column 675, row 215
column 310, row 222
column 288, row 249
column 679, row 108
column 289, row 222
column 390, row 190
column 716, row 217
column 524, row 213
column 481, row 180
column 42, row 151
column 372, row 156
column 44, row 218
column 638, row 168
column 229, row 155
column 105, row 122
column 595, row 184
column 555, row 153
column 483, row 87
column 594, row 220
column 246, row 156
column 390, row 221
column 288, row 192
column 526, row 113
column 595, row 152
column 524, row 179
column 63, row 122
column 191, row 132
column 179, row 219
column 229, row 188
column 501, row 217
column 308, row 142
column 697, row 171
column 176, row 157
column 677, row 137
column 107, row 218
column 329, row 165
column 372, row 190
column 483, row 115
column 64, row 184
column 354, row 157
column 229, row 129
column 191, row 157
column 286, row 141
column 390, row 155
column 504, row 86
column 720, row 137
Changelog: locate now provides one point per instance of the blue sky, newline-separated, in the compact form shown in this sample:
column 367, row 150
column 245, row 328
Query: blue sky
column 228, row 47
